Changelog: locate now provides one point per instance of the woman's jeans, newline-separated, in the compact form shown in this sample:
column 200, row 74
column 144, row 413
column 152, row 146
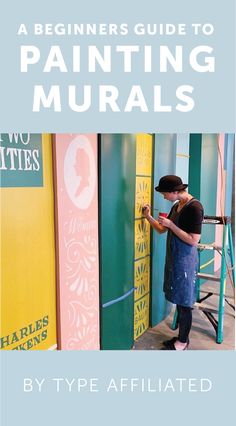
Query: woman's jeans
column 185, row 322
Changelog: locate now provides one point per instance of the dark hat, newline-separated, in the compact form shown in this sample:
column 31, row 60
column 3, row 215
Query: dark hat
column 170, row 183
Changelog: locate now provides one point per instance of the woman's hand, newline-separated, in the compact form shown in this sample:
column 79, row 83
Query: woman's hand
column 153, row 222
column 164, row 221
column 146, row 210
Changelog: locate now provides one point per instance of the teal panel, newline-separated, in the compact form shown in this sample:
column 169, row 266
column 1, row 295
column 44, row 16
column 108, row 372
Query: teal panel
column 117, row 325
column 164, row 163
column 117, row 204
column 195, row 153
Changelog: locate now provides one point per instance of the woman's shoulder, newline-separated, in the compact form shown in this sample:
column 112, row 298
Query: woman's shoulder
column 195, row 201
column 195, row 206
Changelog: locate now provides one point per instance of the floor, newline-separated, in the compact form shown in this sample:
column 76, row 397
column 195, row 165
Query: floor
column 202, row 335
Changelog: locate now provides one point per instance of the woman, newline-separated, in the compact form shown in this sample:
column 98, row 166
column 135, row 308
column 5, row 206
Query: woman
column 183, row 224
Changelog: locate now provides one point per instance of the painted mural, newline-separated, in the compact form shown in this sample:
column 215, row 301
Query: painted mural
column 49, row 216
column 117, row 205
column 28, row 278
column 144, row 148
column 77, row 210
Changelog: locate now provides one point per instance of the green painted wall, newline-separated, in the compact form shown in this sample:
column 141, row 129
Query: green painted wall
column 117, row 204
column 195, row 153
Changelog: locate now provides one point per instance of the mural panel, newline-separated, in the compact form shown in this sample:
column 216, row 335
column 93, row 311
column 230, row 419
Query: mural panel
column 76, row 165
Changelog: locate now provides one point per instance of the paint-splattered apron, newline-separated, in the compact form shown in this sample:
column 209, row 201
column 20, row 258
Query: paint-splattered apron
column 181, row 267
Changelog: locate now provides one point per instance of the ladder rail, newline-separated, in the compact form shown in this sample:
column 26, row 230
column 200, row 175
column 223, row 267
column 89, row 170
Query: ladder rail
column 231, row 252
column 222, row 289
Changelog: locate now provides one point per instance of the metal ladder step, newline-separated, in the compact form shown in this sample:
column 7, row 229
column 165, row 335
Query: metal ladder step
column 227, row 296
column 203, row 307
column 213, row 246
column 209, row 277
column 207, row 308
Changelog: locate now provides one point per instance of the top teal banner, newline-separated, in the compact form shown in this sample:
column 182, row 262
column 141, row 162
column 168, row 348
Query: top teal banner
column 128, row 67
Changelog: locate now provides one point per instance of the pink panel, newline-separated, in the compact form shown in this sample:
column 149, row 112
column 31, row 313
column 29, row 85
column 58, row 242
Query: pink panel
column 76, row 164
column 220, row 202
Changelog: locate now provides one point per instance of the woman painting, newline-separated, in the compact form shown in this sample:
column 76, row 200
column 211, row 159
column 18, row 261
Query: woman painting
column 183, row 223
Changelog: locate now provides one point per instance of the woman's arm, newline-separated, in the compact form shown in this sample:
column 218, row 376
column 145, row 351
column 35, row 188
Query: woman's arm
column 188, row 238
column 153, row 222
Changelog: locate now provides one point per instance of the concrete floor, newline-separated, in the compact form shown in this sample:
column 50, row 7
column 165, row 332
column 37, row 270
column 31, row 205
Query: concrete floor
column 202, row 335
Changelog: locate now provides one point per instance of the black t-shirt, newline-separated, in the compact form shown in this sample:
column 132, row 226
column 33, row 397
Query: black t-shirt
column 190, row 216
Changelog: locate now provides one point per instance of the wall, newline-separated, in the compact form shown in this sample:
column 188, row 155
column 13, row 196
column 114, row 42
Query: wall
column 28, row 302
column 117, row 211
column 164, row 163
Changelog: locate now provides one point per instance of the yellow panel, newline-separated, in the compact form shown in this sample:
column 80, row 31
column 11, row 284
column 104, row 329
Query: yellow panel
column 142, row 277
column 28, row 303
column 143, row 194
column 142, row 233
column 142, row 238
column 144, row 154
column 141, row 316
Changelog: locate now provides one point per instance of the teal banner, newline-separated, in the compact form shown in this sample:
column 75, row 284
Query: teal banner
column 21, row 162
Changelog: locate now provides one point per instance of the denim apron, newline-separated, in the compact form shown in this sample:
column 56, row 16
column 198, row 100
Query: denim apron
column 181, row 266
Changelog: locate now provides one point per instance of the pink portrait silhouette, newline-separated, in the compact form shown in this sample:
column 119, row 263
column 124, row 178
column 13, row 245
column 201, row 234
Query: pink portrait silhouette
column 82, row 170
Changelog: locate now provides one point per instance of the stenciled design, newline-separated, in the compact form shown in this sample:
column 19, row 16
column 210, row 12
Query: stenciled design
column 81, row 265
column 81, row 258
column 143, row 194
column 78, row 231
column 141, row 316
column 142, row 277
column 142, row 238
column 80, row 172
column 142, row 233
column 144, row 155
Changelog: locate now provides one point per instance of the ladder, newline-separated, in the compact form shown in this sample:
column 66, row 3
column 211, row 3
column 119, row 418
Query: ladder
column 226, row 250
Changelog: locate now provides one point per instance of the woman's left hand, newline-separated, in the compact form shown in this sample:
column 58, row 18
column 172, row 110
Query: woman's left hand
column 164, row 221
